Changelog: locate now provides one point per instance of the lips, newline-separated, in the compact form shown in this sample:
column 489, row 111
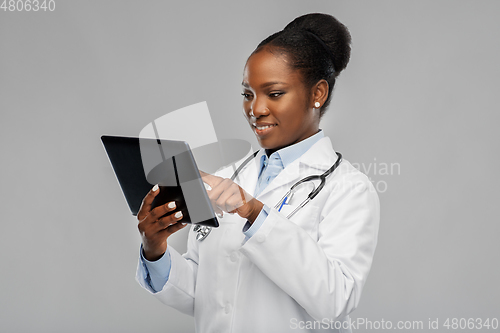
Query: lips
column 263, row 128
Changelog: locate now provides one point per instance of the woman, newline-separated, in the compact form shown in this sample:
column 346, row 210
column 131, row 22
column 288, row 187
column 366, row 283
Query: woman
column 261, row 270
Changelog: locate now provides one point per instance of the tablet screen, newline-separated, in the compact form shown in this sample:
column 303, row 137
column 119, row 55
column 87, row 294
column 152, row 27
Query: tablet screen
column 167, row 163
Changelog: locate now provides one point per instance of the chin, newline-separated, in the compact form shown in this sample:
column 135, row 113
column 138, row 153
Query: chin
column 269, row 146
column 264, row 144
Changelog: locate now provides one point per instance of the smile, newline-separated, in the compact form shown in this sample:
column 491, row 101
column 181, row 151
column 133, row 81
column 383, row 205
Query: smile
column 262, row 129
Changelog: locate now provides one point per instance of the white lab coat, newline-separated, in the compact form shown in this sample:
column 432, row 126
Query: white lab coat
column 293, row 274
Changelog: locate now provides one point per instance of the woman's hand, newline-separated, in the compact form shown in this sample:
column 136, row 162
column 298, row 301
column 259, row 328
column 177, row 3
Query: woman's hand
column 227, row 196
column 154, row 227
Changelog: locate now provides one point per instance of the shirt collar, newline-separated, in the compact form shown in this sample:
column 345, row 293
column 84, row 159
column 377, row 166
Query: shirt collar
column 289, row 154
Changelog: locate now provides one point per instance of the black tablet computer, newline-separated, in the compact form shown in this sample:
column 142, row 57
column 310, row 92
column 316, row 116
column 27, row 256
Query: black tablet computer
column 140, row 163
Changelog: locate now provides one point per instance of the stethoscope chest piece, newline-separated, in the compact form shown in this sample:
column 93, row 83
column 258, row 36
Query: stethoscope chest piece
column 201, row 232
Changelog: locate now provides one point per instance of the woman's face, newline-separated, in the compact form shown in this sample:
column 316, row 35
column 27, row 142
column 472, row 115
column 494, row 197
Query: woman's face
column 279, row 101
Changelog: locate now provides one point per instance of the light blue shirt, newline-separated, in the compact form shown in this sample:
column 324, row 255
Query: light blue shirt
column 284, row 156
column 156, row 273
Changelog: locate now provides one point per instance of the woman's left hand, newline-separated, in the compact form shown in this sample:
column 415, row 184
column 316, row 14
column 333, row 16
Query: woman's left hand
column 227, row 196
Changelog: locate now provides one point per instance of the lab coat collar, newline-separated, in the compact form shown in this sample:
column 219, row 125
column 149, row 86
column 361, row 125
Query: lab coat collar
column 323, row 149
column 247, row 177
column 320, row 156
column 293, row 152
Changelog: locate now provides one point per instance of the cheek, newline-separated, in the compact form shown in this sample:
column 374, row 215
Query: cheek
column 246, row 106
column 246, row 113
column 293, row 114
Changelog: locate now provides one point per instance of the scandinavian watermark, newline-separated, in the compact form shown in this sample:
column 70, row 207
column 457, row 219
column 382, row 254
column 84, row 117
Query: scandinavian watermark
column 374, row 170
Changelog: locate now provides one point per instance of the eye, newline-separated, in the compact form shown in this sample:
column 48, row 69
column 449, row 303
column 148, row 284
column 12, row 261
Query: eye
column 247, row 96
column 276, row 94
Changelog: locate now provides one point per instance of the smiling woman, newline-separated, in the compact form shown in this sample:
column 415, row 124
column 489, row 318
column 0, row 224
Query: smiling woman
column 265, row 269
column 277, row 103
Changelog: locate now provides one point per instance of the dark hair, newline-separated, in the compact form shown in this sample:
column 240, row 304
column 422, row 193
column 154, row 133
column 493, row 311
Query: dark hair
column 317, row 44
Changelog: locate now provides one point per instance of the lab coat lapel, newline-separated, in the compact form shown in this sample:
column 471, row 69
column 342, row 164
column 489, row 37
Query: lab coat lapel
column 320, row 157
column 249, row 173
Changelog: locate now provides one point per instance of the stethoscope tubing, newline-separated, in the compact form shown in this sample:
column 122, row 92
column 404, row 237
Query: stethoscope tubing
column 204, row 231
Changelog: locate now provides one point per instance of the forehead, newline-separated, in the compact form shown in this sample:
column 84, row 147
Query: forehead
column 265, row 66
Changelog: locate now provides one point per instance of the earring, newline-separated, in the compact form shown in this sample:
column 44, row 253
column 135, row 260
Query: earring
column 316, row 105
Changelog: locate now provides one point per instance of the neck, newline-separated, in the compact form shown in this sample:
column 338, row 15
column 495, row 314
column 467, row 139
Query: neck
column 269, row 152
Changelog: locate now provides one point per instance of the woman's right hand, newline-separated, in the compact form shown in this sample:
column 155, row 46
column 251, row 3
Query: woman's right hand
column 154, row 227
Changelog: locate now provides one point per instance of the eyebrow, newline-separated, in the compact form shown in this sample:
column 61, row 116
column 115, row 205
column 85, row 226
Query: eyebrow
column 264, row 85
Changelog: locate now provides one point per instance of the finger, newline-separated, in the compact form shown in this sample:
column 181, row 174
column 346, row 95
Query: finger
column 233, row 203
column 147, row 201
column 160, row 211
column 239, row 199
column 202, row 173
column 219, row 195
column 227, row 198
column 175, row 227
column 149, row 222
column 246, row 196
column 209, row 179
column 219, row 212
column 219, row 189
column 233, row 198
column 213, row 196
column 169, row 220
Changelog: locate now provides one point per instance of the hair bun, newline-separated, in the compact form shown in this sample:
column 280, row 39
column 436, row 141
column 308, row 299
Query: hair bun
column 331, row 32
column 317, row 45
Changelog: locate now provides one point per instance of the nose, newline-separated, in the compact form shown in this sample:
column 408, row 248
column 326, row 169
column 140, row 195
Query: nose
column 258, row 108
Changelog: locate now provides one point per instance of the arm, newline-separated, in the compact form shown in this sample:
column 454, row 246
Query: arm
column 153, row 275
column 325, row 275
column 178, row 291
column 155, row 228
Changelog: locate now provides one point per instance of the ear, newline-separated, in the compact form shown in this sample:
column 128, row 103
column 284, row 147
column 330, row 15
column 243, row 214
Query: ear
column 319, row 93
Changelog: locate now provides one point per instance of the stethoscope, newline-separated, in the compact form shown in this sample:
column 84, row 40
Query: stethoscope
column 203, row 231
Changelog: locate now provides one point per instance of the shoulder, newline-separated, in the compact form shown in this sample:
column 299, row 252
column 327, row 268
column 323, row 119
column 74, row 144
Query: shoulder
column 346, row 181
column 350, row 178
column 351, row 193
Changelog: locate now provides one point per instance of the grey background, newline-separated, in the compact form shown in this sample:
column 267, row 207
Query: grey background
column 421, row 90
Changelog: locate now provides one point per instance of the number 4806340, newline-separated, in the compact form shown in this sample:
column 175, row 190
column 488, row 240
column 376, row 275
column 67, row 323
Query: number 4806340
column 28, row 5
